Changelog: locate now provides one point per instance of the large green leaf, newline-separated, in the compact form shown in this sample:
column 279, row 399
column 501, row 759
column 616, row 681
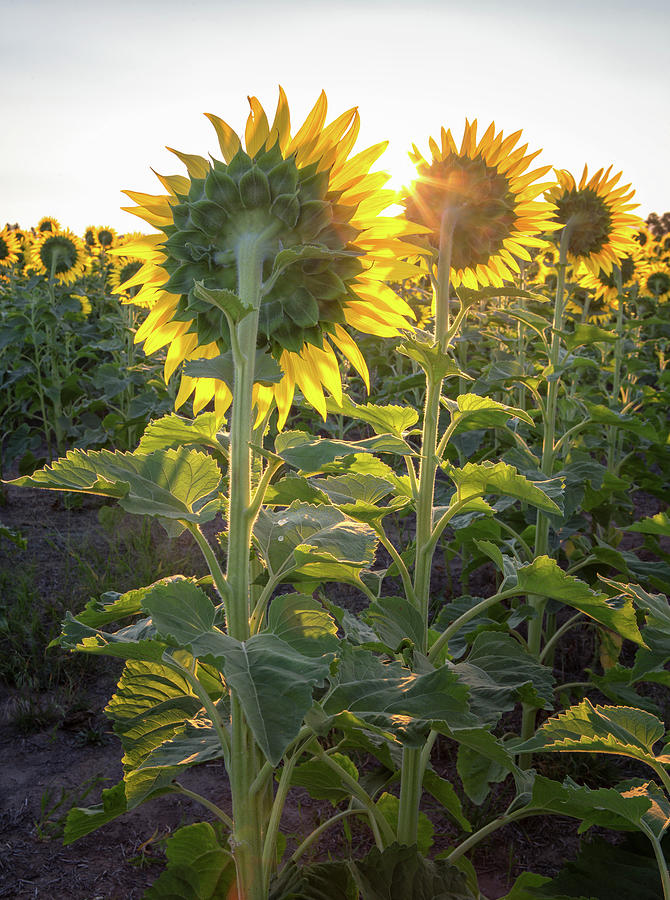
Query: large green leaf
column 389, row 419
column 658, row 524
column 585, row 333
column 293, row 487
column 198, row 868
column 181, row 612
column 113, row 606
column 545, row 578
column 500, row 673
column 321, row 781
column 82, row 821
column 607, row 807
column 474, row 411
column 273, row 682
column 151, row 704
column 137, row 641
column 311, row 454
column 498, row 478
column 585, row 728
column 443, row 791
column 303, row 534
column 389, row 806
column 482, row 760
column 178, row 431
column 395, row 619
column 196, row 742
column 603, row 415
column 303, row 623
column 400, row 873
column 180, row 484
column 396, row 873
column 393, row 699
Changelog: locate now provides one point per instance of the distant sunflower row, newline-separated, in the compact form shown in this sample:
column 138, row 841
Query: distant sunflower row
column 58, row 254
column 311, row 214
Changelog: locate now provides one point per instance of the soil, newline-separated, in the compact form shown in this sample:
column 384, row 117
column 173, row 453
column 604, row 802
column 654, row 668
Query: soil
column 58, row 749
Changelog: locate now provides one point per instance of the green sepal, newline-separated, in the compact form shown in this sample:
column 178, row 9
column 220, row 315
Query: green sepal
column 227, row 301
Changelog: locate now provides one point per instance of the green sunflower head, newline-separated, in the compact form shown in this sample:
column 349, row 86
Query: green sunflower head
column 305, row 238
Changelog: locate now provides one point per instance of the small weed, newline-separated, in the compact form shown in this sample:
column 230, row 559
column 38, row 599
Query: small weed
column 33, row 712
column 56, row 803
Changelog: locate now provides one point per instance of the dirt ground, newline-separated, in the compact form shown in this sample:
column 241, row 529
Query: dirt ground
column 58, row 751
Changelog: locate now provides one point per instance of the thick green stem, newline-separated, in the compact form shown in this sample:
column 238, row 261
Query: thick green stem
column 247, row 838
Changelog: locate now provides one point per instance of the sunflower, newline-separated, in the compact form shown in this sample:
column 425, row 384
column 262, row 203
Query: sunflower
column 49, row 224
column 10, row 247
column 90, row 237
column 605, row 284
column 645, row 238
column 654, row 280
column 84, row 302
column 300, row 195
column 603, row 229
column 123, row 269
column 106, row 237
column 486, row 192
column 60, row 255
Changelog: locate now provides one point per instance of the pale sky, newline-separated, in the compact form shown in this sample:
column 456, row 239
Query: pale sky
column 93, row 92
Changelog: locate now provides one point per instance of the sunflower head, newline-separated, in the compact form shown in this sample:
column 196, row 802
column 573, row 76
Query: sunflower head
column 605, row 285
column 84, row 302
column 10, row 248
column 122, row 270
column 601, row 224
column 483, row 192
column 90, row 237
column 311, row 215
column 105, row 237
column 48, row 224
column 60, row 255
column 654, row 281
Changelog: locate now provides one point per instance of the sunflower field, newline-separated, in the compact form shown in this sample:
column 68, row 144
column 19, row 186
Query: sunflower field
column 421, row 442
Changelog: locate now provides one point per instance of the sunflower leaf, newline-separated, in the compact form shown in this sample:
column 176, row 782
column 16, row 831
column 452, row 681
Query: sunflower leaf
column 389, row 419
column 545, row 578
column 312, row 531
column 180, row 484
column 498, row 478
column 483, row 412
column 198, row 867
column 585, row 728
column 311, row 454
column 177, row 431
column 388, row 698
